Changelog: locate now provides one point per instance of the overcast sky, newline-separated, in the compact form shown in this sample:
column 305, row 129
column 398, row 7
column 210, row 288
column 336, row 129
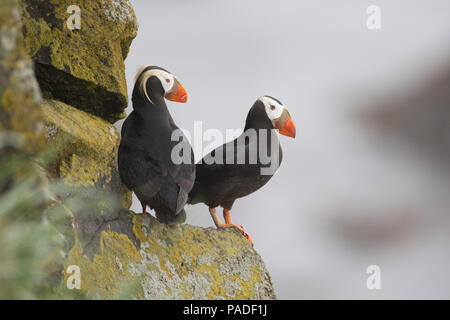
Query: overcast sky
column 321, row 61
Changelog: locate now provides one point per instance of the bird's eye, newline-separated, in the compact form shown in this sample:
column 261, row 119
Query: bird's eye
column 272, row 107
column 168, row 80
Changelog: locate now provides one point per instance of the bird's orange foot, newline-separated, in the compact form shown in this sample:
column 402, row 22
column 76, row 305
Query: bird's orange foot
column 247, row 236
column 240, row 228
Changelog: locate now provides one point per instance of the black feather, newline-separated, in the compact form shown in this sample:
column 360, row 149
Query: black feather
column 221, row 184
column 144, row 157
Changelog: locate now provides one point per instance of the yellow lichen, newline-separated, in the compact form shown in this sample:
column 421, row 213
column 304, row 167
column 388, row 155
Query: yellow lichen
column 183, row 263
column 88, row 143
column 93, row 54
column 19, row 92
column 180, row 263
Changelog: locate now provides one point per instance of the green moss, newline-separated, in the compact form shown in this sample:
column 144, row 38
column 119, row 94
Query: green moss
column 182, row 263
column 87, row 145
column 19, row 92
column 85, row 67
column 82, row 154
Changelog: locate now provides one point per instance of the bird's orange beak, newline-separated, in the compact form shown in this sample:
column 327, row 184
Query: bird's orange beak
column 177, row 93
column 285, row 124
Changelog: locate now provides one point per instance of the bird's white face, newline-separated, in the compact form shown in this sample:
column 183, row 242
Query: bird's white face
column 274, row 109
column 173, row 90
column 167, row 80
column 279, row 115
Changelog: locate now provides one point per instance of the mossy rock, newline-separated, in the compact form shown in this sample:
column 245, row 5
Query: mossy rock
column 81, row 67
column 19, row 91
column 113, row 246
column 186, row 262
column 82, row 154
column 81, row 73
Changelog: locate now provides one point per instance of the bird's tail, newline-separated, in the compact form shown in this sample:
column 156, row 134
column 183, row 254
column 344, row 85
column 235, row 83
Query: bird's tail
column 180, row 217
column 194, row 194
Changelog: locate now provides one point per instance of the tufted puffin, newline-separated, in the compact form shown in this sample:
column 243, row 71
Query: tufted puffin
column 144, row 156
column 221, row 178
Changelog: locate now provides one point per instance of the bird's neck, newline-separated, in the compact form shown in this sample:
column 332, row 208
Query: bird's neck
column 157, row 106
column 261, row 124
column 257, row 125
column 257, row 120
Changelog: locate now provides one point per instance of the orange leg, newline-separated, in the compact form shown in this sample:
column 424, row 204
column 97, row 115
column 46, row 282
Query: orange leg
column 227, row 216
column 216, row 219
column 228, row 223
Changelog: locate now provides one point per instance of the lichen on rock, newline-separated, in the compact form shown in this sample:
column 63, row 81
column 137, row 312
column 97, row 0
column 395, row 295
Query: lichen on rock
column 67, row 128
column 183, row 263
column 81, row 67
column 113, row 246
column 19, row 92
column 82, row 152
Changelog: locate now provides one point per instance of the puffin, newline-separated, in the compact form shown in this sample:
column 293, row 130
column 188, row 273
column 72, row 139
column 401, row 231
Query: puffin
column 221, row 178
column 144, row 155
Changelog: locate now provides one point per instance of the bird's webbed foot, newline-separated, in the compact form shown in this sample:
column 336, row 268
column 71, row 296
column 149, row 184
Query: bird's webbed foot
column 228, row 223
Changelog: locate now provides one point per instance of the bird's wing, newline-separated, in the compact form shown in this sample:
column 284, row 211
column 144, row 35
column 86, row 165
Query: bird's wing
column 183, row 175
column 141, row 168
column 225, row 180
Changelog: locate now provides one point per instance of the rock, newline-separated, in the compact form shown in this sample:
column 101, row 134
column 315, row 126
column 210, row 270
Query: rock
column 24, row 192
column 21, row 122
column 82, row 153
column 113, row 245
column 183, row 263
column 19, row 91
column 82, row 201
column 82, row 67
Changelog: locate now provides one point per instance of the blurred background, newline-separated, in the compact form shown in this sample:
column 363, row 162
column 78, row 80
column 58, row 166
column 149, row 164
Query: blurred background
column 367, row 180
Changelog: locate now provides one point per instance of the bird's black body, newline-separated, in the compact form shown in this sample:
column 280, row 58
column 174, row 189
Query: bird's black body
column 144, row 158
column 221, row 184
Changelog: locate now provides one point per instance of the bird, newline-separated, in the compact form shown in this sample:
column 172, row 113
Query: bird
column 221, row 178
column 144, row 156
